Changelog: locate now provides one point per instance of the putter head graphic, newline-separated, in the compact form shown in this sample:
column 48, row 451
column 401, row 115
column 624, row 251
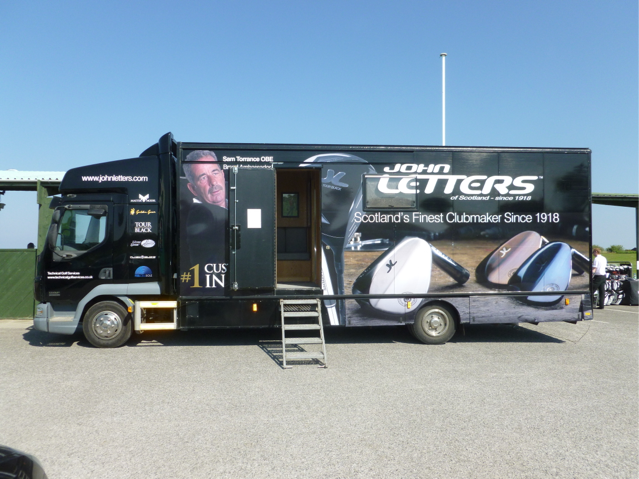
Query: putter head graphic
column 499, row 266
column 341, row 201
column 404, row 269
column 548, row 269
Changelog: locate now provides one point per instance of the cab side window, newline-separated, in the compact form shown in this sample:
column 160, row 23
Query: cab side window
column 80, row 230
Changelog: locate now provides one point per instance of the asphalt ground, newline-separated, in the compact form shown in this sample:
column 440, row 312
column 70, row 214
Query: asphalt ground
column 554, row 400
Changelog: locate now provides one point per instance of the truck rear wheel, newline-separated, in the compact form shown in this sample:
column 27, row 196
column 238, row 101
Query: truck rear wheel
column 434, row 324
column 107, row 325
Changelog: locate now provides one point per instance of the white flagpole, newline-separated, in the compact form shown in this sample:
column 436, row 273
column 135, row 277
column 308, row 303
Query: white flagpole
column 443, row 55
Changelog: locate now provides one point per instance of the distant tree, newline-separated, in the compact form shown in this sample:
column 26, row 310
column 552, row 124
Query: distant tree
column 615, row 248
column 601, row 248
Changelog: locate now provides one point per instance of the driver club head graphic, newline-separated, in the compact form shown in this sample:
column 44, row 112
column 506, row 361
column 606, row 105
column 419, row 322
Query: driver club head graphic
column 341, row 201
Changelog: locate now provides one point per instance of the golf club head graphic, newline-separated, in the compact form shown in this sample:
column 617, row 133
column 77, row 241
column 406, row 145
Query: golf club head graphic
column 404, row 269
column 548, row 269
column 501, row 264
column 341, row 201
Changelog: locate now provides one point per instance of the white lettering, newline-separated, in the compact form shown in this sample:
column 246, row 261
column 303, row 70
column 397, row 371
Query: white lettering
column 472, row 181
column 406, row 183
column 520, row 181
column 490, row 183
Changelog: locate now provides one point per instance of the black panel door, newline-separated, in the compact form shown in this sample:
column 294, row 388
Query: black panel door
column 252, row 228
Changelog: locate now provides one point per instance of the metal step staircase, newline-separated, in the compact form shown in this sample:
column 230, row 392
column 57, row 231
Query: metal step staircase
column 302, row 315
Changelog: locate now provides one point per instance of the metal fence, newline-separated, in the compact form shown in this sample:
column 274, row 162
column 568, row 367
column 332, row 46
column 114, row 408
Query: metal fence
column 17, row 271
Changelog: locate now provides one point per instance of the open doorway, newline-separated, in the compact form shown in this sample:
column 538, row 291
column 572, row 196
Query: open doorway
column 298, row 227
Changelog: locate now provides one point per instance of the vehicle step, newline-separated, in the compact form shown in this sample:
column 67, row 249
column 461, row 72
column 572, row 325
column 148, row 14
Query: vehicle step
column 305, row 355
column 157, row 326
column 299, row 327
column 303, row 341
column 291, row 314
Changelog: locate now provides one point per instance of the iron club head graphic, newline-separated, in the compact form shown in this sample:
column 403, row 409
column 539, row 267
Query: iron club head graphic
column 502, row 263
column 548, row 269
column 404, row 269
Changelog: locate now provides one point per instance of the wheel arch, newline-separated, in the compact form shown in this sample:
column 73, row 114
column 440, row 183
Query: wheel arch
column 123, row 301
column 446, row 304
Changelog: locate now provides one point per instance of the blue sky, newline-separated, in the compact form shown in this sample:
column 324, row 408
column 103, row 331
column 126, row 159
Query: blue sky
column 86, row 82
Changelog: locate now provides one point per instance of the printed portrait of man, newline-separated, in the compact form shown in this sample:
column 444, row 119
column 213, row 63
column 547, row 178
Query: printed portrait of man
column 206, row 178
column 207, row 220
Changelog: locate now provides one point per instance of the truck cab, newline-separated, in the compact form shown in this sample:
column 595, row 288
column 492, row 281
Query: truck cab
column 110, row 240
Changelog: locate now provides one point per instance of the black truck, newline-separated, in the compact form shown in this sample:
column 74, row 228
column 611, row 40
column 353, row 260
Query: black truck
column 217, row 235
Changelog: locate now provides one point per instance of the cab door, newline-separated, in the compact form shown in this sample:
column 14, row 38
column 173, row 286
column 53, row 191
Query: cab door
column 252, row 229
column 81, row 251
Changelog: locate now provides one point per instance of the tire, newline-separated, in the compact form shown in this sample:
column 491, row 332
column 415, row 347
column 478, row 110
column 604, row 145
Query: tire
column 434, row 324
column 107, row 325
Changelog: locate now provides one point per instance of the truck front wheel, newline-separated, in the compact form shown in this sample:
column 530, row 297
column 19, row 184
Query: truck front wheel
column 434, row 324
column 107, row 325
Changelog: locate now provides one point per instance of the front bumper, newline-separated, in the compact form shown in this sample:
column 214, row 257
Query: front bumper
column 55, row 319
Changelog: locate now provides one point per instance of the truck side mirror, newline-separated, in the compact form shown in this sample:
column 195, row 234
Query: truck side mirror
column 55, row 202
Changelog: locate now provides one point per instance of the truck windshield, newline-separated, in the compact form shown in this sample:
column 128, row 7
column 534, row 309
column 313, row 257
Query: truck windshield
column 79, row 231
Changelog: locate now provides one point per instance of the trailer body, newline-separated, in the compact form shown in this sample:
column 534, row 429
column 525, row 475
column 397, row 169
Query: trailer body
column 211, row 235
